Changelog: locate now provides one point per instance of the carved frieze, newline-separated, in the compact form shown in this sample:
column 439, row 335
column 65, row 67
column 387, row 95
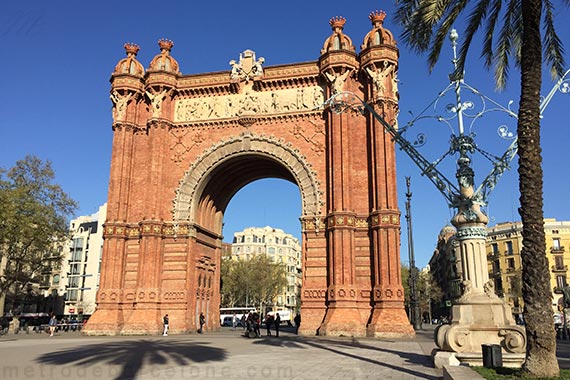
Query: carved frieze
column 249, row 102
column 314, row 293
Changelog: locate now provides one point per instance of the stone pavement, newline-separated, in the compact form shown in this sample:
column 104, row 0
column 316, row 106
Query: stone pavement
column 214, row 355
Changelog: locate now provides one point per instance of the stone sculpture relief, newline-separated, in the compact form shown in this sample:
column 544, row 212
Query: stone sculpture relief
column 156, row 101
column 337, row 81
column 250, row 102
column 379, row 75
column 120, row 102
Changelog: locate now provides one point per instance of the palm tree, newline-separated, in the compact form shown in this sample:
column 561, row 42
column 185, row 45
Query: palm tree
column 426, row 24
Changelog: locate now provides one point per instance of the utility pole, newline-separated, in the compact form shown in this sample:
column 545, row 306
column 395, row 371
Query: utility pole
column 414, row 304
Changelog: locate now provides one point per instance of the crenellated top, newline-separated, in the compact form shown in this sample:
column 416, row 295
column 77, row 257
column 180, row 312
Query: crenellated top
column 164, row 61
column 130, row 65
column 378, row 35
column 337, row 40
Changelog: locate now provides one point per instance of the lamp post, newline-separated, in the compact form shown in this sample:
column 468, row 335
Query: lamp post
column 413, row 279
column 478, row 316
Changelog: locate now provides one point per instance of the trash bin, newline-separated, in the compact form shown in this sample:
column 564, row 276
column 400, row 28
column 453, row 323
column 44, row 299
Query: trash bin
column 492, row 355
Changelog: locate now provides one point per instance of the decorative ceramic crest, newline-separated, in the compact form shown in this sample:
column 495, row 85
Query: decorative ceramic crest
column 247, row 68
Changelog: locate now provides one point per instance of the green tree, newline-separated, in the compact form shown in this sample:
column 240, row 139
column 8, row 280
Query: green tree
column 426, row 24
column 33, row 223
column 253, row 282
column 428, row 289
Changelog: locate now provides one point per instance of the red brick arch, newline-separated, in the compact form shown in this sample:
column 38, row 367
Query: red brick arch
column 183, row 145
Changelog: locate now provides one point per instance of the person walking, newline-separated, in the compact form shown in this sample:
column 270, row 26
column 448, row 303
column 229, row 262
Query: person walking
column 234, row 321
column 202, row 323
column 52, row 324
column 277, row 323
column 165, row 323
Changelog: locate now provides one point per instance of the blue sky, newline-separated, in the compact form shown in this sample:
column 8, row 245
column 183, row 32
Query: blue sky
column 57, row 58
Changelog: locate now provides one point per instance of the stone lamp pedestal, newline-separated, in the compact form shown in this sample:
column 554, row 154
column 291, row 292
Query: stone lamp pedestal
column 479, row 316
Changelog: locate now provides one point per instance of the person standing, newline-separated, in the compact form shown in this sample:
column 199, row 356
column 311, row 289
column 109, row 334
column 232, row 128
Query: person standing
column 234, row 321
column 277, row 323
column 202, row 322
column 297, row 323
column 268, row 323
column 165, row 323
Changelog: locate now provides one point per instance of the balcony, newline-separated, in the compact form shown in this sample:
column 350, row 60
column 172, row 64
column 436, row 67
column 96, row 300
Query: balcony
column 557, row 290
column 511, row 269
column 493, row 256
column 559, row 268
column 559, row 249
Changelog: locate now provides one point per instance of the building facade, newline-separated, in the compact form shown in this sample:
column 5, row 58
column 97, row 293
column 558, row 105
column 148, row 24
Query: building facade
column 79, row 277
column 504, row 245
column 445, row 268
column 280, row 247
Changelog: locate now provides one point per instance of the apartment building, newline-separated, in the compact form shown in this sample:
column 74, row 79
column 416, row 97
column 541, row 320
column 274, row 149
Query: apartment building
column 280, row 247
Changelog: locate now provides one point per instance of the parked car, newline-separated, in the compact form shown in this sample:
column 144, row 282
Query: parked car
column 558, row 320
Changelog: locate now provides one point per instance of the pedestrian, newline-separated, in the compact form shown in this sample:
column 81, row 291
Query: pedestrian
column 165, row 323
column 234, row 321
column 297, row 322
column 277, row 323
column 202, row 323
column 268, row 323
column 256, row 324
column 243, row 321
column 52, row 325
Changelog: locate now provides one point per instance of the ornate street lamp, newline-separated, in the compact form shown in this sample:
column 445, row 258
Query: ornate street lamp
column 478, row 316
column 413, row 279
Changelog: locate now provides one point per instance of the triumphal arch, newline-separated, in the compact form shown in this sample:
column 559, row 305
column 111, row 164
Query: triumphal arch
column 183, row 145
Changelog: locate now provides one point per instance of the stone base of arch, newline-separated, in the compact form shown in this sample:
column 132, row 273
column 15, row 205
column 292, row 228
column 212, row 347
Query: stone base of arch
column 389, row 321
column 104, row 322
column 343, row 320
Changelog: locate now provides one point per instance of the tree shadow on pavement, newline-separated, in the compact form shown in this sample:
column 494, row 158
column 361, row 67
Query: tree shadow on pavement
column 132, row 355
column 410, row 357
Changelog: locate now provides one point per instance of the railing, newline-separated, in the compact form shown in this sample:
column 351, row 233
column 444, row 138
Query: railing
column 559, row 249
column 559, row 268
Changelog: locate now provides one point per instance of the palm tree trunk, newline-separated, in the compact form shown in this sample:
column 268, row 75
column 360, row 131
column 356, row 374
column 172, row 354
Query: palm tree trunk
column 541, row 339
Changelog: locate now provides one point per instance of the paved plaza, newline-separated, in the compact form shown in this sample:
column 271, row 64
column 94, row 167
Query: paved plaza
column 213, row 355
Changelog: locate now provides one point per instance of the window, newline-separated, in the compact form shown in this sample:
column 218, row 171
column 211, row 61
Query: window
column 74, row 282
column 72, row 295
column 511, row 263
column 559, row 262
column 509, row 248
column 556, row 243
column 560, row 282
column 271, row 250
column 56, row 279
column 495, row 248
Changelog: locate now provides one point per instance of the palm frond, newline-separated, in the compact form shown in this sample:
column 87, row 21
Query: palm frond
column 452, row 12
column 504, row 46
column 487, row 51
column 474, row 22
column 553, row 49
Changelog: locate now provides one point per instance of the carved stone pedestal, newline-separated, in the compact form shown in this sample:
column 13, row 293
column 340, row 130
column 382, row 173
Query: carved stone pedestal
column 481, row 318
